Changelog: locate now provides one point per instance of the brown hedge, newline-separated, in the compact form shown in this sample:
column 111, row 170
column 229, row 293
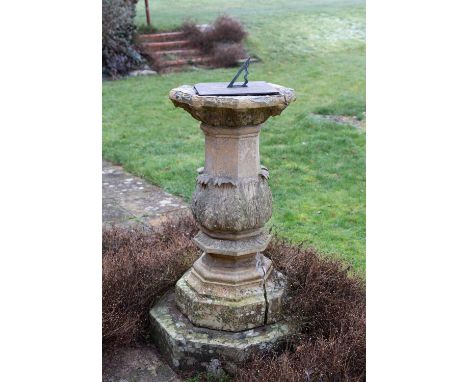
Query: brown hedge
column 226, row 55
column 222, row 41
column 329, row 306
column 325, row 301
column 227, row 29
column 138, row 267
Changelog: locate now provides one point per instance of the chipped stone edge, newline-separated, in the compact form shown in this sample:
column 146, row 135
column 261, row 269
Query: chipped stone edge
column 186, row 346
column 186, row 94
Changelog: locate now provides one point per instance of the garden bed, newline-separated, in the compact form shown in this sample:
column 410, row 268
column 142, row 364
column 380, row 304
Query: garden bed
column 325, row 301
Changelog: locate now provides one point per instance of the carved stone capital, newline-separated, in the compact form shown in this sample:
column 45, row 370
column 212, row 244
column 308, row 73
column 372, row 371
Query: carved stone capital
column 231, row 111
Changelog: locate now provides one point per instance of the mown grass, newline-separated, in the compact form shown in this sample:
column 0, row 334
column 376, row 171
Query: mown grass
column 317, row 168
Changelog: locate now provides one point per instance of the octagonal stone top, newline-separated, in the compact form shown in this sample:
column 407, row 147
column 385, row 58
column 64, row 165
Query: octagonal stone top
column 232, row 111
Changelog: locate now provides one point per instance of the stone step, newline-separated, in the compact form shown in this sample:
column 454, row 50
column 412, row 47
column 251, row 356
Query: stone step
column 186, row 61
column 159, row 37
column 149, row 47
column 176, row 53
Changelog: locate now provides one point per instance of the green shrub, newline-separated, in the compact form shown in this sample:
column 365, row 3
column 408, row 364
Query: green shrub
column 119, row 55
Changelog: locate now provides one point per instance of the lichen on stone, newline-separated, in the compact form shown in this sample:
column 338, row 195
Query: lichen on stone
column 224, row 208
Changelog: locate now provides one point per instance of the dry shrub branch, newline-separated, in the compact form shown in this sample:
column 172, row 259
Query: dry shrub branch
column 138, row 267
column 329, row 307
column 222, row 40
column 326, row 303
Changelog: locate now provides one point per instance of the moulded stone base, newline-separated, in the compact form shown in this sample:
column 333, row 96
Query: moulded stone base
column 230, row 307
column 235, row 248
column 187, row 346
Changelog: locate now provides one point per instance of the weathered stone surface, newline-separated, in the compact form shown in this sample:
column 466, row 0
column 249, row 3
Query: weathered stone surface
column 140, row 363
column 114, row 214
column 232, row 209
column 232, row 287
column 231, row 111
column 275, row 292
column 211, row 312
column 236, row 248
column 232, row 198
column 232, row 153
column 232, row 306
column 228, row 272
column 128, row 200
column 187, row 346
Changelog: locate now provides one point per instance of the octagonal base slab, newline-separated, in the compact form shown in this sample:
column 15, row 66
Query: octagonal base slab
column 228, row 307
column 187, row 346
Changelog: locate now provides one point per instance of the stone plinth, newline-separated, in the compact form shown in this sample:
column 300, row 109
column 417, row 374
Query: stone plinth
column 232, row 287
column 187, row 346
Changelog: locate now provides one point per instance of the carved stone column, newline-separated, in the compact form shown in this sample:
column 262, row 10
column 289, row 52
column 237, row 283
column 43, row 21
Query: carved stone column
column 232, row 286
column 228, row 304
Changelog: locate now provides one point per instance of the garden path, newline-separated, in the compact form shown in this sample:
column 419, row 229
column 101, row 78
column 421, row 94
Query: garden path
column 141, row 363
column 128, row 200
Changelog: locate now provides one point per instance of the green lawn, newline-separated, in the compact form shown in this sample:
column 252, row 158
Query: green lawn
column 317, row 168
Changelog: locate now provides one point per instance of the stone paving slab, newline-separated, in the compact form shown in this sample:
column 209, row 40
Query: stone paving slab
column 128, row 200
column 136, row 364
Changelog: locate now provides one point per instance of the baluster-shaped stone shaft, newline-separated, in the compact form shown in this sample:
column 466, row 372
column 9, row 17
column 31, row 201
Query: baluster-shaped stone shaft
column 232, row 286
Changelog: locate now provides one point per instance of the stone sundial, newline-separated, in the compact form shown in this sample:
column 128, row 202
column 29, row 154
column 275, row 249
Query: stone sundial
column 236, row 89
column 229, row 302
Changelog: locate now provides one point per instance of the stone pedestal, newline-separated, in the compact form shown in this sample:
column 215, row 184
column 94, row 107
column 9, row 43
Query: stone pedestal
column 189, row 347
column 232, row 287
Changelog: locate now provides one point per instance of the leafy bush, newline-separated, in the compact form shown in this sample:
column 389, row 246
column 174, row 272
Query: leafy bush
column 325, row 302
column 119, row 55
